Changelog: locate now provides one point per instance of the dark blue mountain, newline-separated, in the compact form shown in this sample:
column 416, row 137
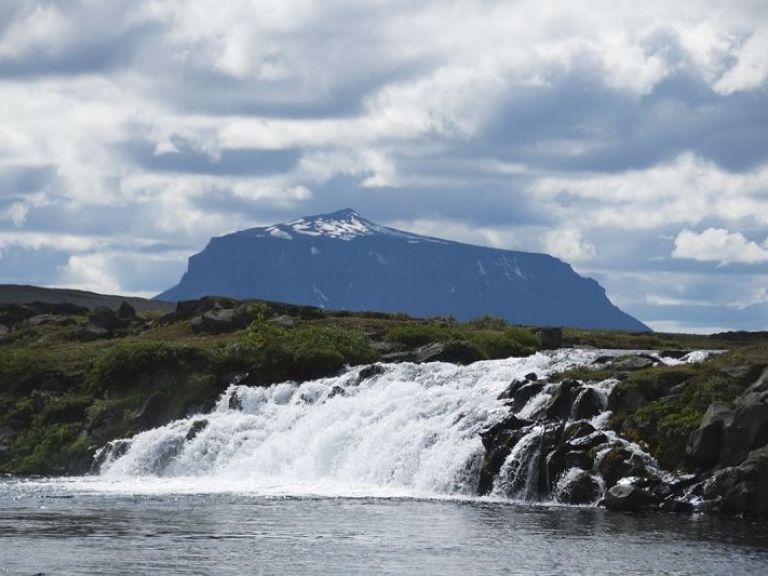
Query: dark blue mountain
column 343, row 261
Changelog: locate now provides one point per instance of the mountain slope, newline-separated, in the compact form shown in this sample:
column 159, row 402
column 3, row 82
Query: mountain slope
column 343, row 261
column 20, row 294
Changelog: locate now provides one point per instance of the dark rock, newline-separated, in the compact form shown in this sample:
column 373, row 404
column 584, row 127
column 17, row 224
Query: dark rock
column 741, row 489
column 579, row 459
column 41, row 319
column 559, row 406
column 489, row 436
column 619, row 463
column 638, row 362
column 629, row 498
column 454, row 352
column 112, row 451
column 551, row 458
column 705, row 443
column 554, row 466
column 235, row 402
column 531, row 377
column 89, row 333
column 581, row 488
column 220, row 321
column 154, row 410
column 106, row 318
column 674, row 354
column 551, row 338
column 677, row 506
column 498, row 441
column 588, row 442
column 336, row 391
column 511, row 389
column 197, row 427
column 748, row 428
column 588, row 404
column 523, row 394
column 602, row 359
column 370, row 371
column 577, row 430
column 126, row 312
column 622, row 400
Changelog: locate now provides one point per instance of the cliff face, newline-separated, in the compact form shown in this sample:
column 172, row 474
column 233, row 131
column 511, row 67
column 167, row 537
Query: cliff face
column 343, row 261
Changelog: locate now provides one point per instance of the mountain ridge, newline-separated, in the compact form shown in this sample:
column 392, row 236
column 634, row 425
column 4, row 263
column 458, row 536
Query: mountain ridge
column 344, row 261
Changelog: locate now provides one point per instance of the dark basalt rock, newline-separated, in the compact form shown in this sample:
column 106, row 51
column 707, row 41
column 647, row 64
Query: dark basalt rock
column 589, row 442
column 577, row 430
column 588, row 404
column 509, row 392
column 629, row 498
column 582, row 488
column 741, row 489
column 498, row 441
column 154, row 411
column 126, row 312
column 89, row 333
column 197, row 427
column 705, row 443
column 559, row 406
column 106, row 318
column 619, row 463
column 489, row 436
column 370, row 371
column 523, row 394
column 638, row 362
column 579, row 459
column 220, row 321
column 551, row 338
column 462, row 353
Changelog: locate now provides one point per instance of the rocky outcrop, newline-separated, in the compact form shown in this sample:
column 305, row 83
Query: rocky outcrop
column 630, row 498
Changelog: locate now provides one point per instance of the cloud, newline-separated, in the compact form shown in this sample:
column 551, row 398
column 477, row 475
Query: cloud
column 719, row 245
column 594, row 130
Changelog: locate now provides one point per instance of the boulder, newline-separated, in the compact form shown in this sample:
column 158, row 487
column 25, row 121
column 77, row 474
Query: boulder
column 629, row 498
column 588, row 404
column 106, row 318
column 588, row 442
column 531, row 377
column 126, row 312
column 705, row 443
column 577, row 430
column 637, row 362
column 154, row 410
column 619, row 463
column 197, row 427
column 741, row 489
column 559, row 406
column 523, row 394
column 454, row 352
column 510, row 390
column 551, row 338
column 579, row 459
column 370, row 371
column 579, row 488
column 498, row 441
column 489, row 436
column 219, row 321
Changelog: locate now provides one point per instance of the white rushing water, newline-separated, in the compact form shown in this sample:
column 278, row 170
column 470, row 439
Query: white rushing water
column 409, row 430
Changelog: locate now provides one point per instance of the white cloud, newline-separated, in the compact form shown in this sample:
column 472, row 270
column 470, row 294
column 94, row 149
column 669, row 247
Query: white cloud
column 719, row 245
column 569, row 244
column 751, row 68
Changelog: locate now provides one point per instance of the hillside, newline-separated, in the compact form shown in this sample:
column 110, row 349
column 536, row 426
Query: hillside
column 21, row 294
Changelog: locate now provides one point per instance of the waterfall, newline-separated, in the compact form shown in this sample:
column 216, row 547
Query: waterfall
column 396, row 429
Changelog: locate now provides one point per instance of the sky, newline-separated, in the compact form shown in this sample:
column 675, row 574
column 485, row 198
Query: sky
column 629, row 139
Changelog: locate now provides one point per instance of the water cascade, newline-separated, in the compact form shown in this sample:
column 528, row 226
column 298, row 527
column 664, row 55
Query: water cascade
column 497, row 428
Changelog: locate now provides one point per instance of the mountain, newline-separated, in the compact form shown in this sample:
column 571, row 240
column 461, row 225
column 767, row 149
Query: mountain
column 343, row 261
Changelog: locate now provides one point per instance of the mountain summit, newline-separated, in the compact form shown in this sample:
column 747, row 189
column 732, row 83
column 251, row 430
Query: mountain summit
column 344, row 261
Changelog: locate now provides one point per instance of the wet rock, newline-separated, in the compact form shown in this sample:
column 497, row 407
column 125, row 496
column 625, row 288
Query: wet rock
column 619, row 463
column 638, row 362
column 554, row 466
column 336, row 391
column 197, row 427
column 677, row 506
column 509, row 392
column 498, row 441
column 589, row 442
column 531, row 377
column 705, row 443
column 588, row 404
column 235, row 402
column 154, row 410
column 112, row 451
column 559, row 406
column 523, row 394
column 370, row 371
column 741, row 489
column 579, row 488
column 629, row 498
column 579, row 459
column 577, row 430
column 490, row 435
column 461, row 352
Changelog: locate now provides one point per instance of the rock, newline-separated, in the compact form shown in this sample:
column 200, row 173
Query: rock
column 629, row 498
column 523, row 394
column 602, row 359
column 559, row 406
column 531, row 377
column 220, row 321
column 235, row 402
column 579, row 488
column 638, row 362
column 588, row 442
column 705, row 443
column 551, row 338
column 579, row 459
column 677, row 506
column 369, row 372
column 41, row 319
column 747, row 429
column 89, row 332
column 674, row 354
column 498, row 441
column 741, row 489
column 454, row 352
column 336, row 391
column 619, row 463
column 154, row 410
column 623, row 400
column 197, row 427
column 577, row 430
column 511, row 389
column 489, row 436
column 126, row 312
column 588, row 404
column 283, row 321
column 106, row 318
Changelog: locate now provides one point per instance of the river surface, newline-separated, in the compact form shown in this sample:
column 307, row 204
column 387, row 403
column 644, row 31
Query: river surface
column 63, row 527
